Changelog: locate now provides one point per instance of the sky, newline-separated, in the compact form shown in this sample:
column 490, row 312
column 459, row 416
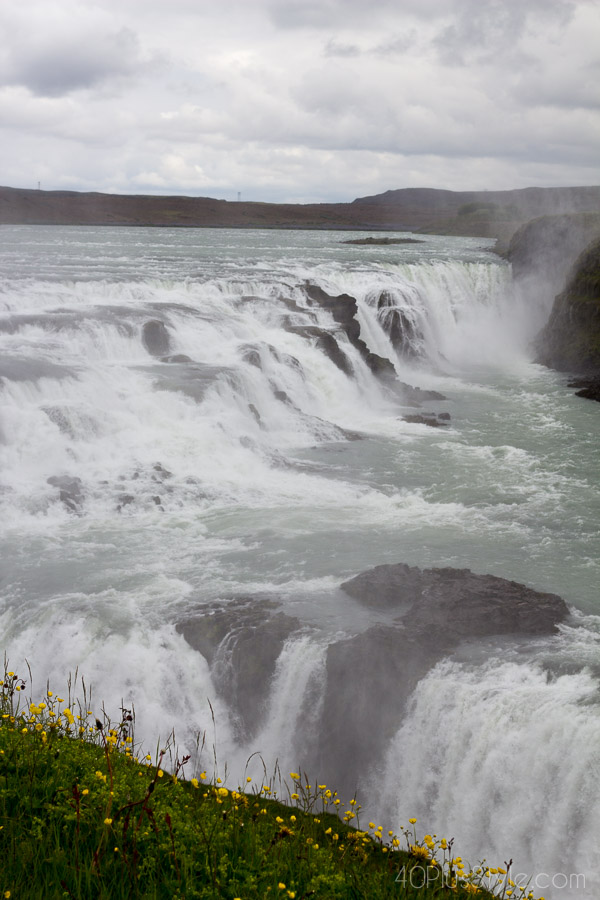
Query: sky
column 298, row 100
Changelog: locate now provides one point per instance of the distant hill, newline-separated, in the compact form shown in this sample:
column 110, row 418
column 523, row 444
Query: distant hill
column 480, row 213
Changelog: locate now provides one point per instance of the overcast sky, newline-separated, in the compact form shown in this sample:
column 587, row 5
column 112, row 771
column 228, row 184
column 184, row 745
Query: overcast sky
column 298, row 100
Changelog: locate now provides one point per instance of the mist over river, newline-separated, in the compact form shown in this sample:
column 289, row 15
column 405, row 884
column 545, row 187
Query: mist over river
column 185, row 429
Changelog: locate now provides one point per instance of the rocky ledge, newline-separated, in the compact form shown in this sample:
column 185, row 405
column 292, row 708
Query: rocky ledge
column 431, row 612
column 423, row 616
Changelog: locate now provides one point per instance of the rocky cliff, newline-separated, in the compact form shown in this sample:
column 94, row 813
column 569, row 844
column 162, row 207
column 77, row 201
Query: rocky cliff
column 559, row 256
column 422, row 616
column 570, row 341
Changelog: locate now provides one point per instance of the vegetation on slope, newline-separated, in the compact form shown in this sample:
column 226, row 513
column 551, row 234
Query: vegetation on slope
column 84, row 814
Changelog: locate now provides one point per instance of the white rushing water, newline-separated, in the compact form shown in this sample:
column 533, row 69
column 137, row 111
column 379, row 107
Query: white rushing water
column 219, row 463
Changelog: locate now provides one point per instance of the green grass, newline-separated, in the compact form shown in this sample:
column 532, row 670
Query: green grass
column 85, row 814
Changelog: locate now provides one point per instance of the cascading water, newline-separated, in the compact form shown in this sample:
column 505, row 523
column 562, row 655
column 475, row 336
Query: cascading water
column 184, row 428
column 508, row 755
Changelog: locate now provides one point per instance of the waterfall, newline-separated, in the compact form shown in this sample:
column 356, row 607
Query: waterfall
column 506, row 757
column 193, row 417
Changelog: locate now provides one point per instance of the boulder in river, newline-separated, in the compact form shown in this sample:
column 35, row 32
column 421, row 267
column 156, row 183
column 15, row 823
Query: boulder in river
column 155, row 338
column 463, row 603
column 371, row 676
column 70, row 490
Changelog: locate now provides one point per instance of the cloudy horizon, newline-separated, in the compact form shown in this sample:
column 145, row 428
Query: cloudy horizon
column 299, row 100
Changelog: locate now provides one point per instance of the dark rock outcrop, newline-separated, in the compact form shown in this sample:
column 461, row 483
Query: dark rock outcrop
column 241, row 640
column 70, row 491
column 330, row 347
column 371, row 676
column 402, row 331
column 344, row 308
column 155, row 338
column 588, row 388
column 434, row 420
column 570, row 341
column 463, row 603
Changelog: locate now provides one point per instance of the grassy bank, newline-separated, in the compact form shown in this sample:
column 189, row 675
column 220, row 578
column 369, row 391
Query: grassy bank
column 84, row 813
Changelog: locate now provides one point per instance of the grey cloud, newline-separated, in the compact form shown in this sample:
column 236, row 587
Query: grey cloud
column 486, row 32
column 564, row 91
column 397, row 45
column 336, row 48
column 59, row 66
column 338, row 13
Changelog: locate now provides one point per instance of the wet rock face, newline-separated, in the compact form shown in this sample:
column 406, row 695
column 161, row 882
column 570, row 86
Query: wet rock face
column 369, row 680
column 241, row 641
column 402, row 332
column 343, row 308
column 434, row 420
column 155, row 338
column 570, row 341
column 70, row 491
column 459, row 601
column 588, row 388
column 330, row 347
column 371, row 675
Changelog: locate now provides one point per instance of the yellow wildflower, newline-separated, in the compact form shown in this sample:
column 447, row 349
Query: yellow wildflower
column 108, row 821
